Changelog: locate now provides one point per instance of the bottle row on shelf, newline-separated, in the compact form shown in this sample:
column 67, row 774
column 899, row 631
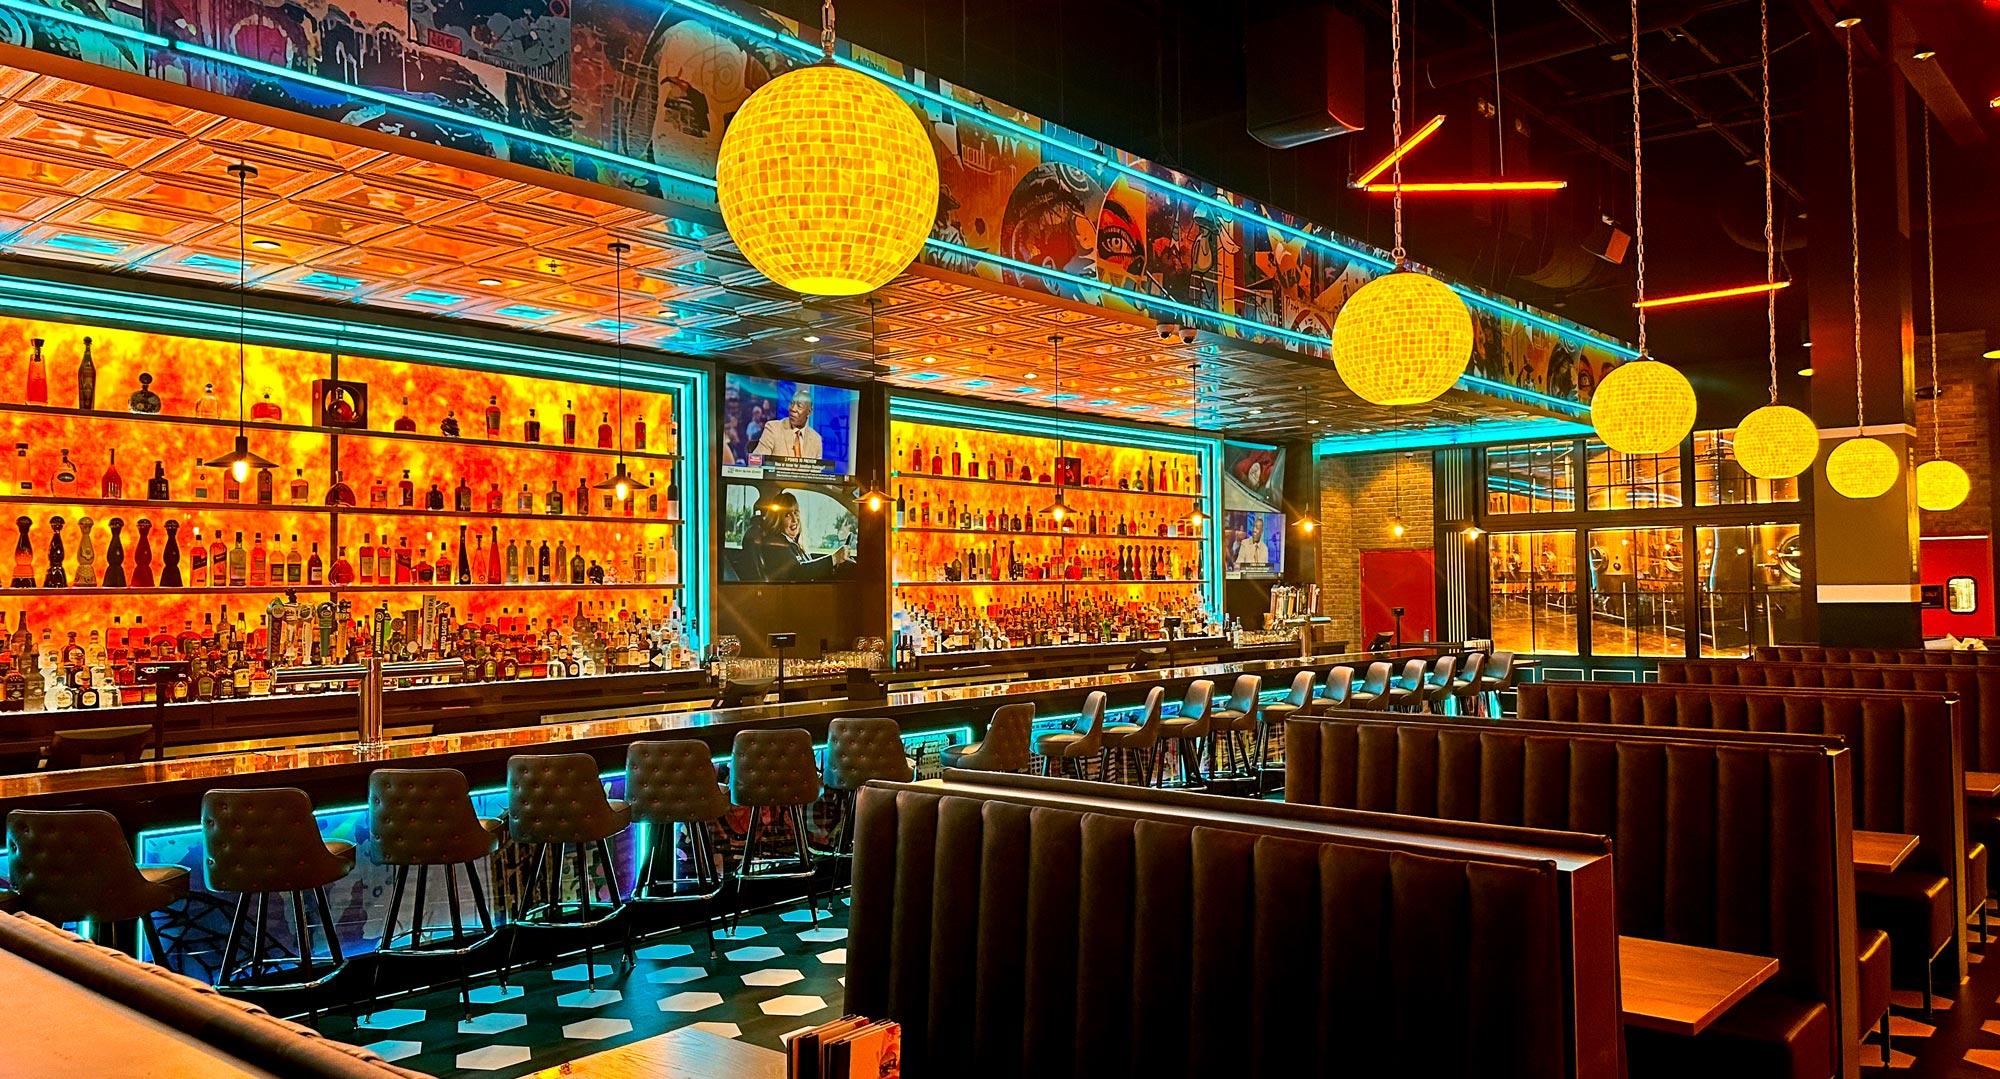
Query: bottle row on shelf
column 1139, row 563
column 952, row 625
column 917, row 512
column 478, row 559
column 1169, row 475
column 224, row 658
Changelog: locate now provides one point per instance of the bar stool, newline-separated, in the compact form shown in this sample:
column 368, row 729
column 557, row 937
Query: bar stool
column 1233, row 724
column 1084, row 738
column 264, row 841
column 1464, row 697
column 1373, row 693
column 1186, row 730
column 88, row 747
column 1137, row 744
column 74, row 865
column 1337, row 693
column 1273, row 716
column 1496, row 678
column 671, row 784
column 1406, row 690
column 1005, row 747
column 422, row 818
column 857, row 751
column 556, row 803
column 1435, row 692
column 774, row 770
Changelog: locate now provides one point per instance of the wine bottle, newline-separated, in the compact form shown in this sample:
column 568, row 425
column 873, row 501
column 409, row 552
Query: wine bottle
column 86, row 379
column 464, row 562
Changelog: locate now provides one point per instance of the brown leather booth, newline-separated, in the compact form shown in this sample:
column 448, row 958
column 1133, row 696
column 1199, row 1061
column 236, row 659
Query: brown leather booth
column 80, row 1009
column 1024, row 926
column 1826, row 653
column 1719, row 840
column 1908, row 777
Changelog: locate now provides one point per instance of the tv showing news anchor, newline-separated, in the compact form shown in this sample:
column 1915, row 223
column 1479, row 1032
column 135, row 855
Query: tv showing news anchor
column 774, row 428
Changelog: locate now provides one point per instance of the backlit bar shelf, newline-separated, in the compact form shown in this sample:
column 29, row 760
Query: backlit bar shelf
column 1050, row 487
column 136, row 505
column 1080, row 536
column 327, row 589
column 1091, row 582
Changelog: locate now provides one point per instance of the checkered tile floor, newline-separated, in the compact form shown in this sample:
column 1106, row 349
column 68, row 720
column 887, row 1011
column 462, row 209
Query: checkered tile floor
column 774, row 974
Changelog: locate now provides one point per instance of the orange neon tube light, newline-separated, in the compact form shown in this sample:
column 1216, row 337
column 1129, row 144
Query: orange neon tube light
column 1490, row 187
column 1715, row 294
column 1400, row 152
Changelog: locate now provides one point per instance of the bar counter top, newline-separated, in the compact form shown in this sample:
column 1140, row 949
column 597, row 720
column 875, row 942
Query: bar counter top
column 170, row 790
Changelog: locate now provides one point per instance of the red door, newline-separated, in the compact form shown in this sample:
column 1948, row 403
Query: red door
column 1963, row 567
column 1398, row 578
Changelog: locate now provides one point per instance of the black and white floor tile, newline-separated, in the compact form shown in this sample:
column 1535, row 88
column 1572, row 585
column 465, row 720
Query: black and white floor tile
column 775, row 973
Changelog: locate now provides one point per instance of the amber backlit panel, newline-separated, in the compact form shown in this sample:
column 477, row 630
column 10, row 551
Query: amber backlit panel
column 180, row 441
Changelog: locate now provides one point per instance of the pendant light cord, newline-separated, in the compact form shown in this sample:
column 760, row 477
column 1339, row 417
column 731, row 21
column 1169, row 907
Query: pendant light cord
column 1396, row 125
column 243, row 172
column 1770, row 237
column 1930, row 286
column 1854, row 233
column 826, row 29
column 618, row 249
column 1638, row 187
column 1499, row 110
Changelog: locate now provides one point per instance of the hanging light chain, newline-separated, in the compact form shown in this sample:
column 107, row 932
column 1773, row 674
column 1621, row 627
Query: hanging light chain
column 826, row 28
column 1396, row 123
column 1638, row 187
column 1770, row 237
column 1930, row 286
column 1854, row 233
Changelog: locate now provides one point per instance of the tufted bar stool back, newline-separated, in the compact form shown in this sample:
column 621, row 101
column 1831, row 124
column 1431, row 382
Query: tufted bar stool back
column 422, row 818
column 262, row 842
column 772, row 773
column 671, row 786
column 1135, row 745
column 857, row 751
column 556, row 803
column 74, row 865
column 1185, row 731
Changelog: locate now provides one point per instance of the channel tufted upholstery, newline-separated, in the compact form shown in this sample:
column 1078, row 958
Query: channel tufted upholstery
column 672, row 781
column 1726, row 843
column 858, row 750
column 68, row 865
column 424, row 816
column 266, row 840
column 558, row 798
column 773, row 768
column 1129, row 942
column 1005, row 747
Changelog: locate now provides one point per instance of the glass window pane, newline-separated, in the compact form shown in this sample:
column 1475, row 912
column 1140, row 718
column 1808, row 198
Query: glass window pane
column 1532, row 592
column 1533, row 477
column 1719, row 481
column 1752, row 588
column 1623, row 481
column 1636, row 591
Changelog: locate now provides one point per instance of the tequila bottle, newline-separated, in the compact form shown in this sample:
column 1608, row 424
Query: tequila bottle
column 24, row 557
column 170, row 557
column 55, row 577
column 142, row 556
column 86, row 559
column 143, row 400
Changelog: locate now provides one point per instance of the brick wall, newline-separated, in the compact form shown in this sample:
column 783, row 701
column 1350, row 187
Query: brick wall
column 1964, row 422
column 1356, row 495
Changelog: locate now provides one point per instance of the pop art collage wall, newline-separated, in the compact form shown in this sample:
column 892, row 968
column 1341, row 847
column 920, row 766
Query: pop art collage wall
column 658, row 80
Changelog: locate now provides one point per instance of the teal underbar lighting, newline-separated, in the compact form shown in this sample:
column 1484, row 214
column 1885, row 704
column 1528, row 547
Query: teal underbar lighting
column 690, row 388
column 1205, row 448
column 1470, row 434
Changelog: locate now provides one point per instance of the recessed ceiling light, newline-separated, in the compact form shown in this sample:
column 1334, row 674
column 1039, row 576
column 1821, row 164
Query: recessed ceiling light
column 812, row 339
column 930, row 359
column 490, row 282
column 1031, row 376
column 267, row 245
column 1314, row 423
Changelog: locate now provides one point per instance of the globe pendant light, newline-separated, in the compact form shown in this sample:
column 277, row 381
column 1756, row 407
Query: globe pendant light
column 1643, row 406
column 827, row 180
column 1860, row 467
column 619, row 483
column 1777, row 441
column 1405, row 337
column 239, row 460
column 1941, row 484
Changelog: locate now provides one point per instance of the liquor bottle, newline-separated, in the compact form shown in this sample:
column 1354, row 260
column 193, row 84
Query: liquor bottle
column 492, row 416
column 576, row 567
column 652, row 494
column 513, row 562
column 86, row 558
column 461, row 496
column 200, row 473
column 112, row 485
column 86, row 379
column 582, row 496
column 525, row 501
column 266, row 409
column 531, row 428
column 218, row 562
column 301, row 491
column 604, row 432
column 114, row 556
column 266, row 483
column 65, row 475
column 295, row 569
column 957, row 460
column 339, row 493
column 937, row 463
column 494, row 499
column 464, row 560
column 434, row 499
column 239, row 564
column 197, row 559
column 569, row 424
column 405, row 423
column 639, row 433
column 383, row 561
column 170, row 557
column 260, row 563
column 367, row 560
column 441, row 569
column 232, row 490
column 917, row 457
column 449, row 426
column 673, row 499
column 406, row 492
column 142, row 556
column 207, row 406
column 493, row 557
column 315, row 568
column 541, row 564
column 404, row 569
column 13, row 690
column 342, row 573
column 55, row 577
column 38, row 376
column 143, row 400
column 900, row 511
column 554, row 500
column 561, row 565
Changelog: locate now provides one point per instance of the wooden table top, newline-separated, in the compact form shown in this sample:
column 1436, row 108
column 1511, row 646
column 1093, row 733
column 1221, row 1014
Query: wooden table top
column 1982, row 784
column 1881, row 852
column 1681, row 989
column 678, row 1054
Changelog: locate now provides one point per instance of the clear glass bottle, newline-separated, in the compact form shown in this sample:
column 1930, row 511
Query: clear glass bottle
column 208, row 406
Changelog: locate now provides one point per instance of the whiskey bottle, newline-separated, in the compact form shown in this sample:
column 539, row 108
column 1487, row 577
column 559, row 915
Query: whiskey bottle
column 218, row 562
column 142, row 556
column 367, row 559
column 260, row 563
column 462, row 496
column 55, row 577
column 434, row 499
column 38, row 377
column 301, row 491
column 267, row 410
column 554, row 500
column 513, row 562
column 569, row 424
column 197, row 560
column 531, row 428
column 86, row 379
column 604, row 432
column 582, row 496
column 266, row 493
column 449, row 427
column 170, row 557
column 541, row 564
column 207, row 406
column 492, row 416
column 406, row 491
column 200, row 473
column 65, row 475
column 576, row 569
column 404, row 423
column 294, row 565
column 114, row 555
column 525, row 501
column 639, row 433
column 239, row 564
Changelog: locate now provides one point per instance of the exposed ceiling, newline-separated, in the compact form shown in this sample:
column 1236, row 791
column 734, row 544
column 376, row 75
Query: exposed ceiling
column 97, row 177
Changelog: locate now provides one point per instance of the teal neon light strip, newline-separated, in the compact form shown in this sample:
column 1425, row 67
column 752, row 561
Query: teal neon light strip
column 1441, row 437
column 690, row 388
column 1207, row 450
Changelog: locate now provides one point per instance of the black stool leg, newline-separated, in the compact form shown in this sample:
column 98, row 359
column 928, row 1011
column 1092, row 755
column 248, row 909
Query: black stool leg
column 421, row 914
column 798, row 814
column 458, row 939
column 745, row 866
column 485, row 913
column 235, row 937
column 304, row 935
column 711, row 877
column 583, row 893
column 614, row 898
column 153, row 944
column 263, row 918
column 326, row 922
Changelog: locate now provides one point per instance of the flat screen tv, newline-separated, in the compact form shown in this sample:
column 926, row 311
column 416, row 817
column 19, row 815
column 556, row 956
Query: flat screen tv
column 776, row 428
column 783, row 531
